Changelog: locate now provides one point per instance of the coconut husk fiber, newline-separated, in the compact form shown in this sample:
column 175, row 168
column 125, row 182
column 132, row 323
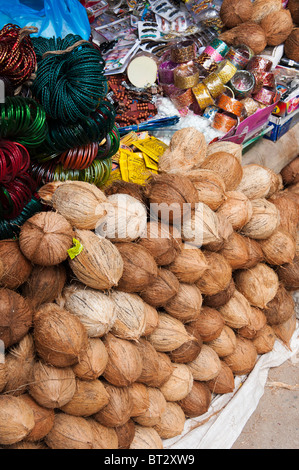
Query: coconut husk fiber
column 16, row 268
column 248, row 33
column 234, row 12
column 293, row 7
column 291, row 46
column 262, row 8
column 277, row 26
column 124, row 187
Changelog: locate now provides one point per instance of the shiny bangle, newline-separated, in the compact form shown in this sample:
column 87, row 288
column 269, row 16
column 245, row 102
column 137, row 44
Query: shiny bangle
column 182, row 98
column 186, row 76
column 239, row 56
column 230, row 105
column 214, row 84
column 260, row 64
column 220, row 46
column 225, row 71
column 242, row 83
column 166, row 71
column 223, row 122
column 206, row 63
column 266, row 96
column 202, row 96
column 183, row 52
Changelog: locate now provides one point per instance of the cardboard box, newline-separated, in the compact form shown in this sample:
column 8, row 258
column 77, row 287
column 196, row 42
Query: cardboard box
column 281, row 125
column 287, row 106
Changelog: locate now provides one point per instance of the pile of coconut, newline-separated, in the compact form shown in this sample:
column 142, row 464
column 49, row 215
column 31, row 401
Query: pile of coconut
column 121, row 320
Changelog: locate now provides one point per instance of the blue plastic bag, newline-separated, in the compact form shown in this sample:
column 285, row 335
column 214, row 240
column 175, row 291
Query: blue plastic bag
column 53, row 18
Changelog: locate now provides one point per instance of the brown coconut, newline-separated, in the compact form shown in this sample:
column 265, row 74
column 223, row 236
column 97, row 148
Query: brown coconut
column 235, row 12
column 16, row 419
column 139, row 267
column 262, row 8
column 254, row 253
column 249, row 33
column 146, row 438
column 186, row 304
column 15, row 317
column 92, row 361
column 160, row 242
column 124, row 364
column 99, row 265
column 222, row 146
column 151, row 319
column 43, row 419
column 264, row 340
column 118, row 411
column 281, row 308
column 52, row 387
column 225, row 343
column 139, row 397
column 209, row 324
column 19, row 363
column 257, row 320
column 150, row 362
column 45, row 238
column 237, row 311
column 259, row 284
column 224, row 382
column 235, row 251
column 170, row 334
column 165, row 369
column 89, row 398
column 236, row 208
column 225, row 230
column 206, row 366
column 125, row 434
column 264, row 221
column 171, row 196
column 217, row 276
column 16, row 268
column 59, row 336
column 189, row 265
column 202, row 227
column 289, row 274
column 162, row 290
column 279, row 248
column 2, row 373
column 288, row 212
column 44, row 284
column 179, row 383
column 244, row 357
column 277, row 26
column 28, row 445
column 189, row 350
column 210, row 187
column 228, row 166
column 157, row 405
column 171, row 422
column 130, row 315
column 124, row 187
column 198, row 400
column 217, row 300
column 284, row 331
column 70, row 432
column 102, row 436
column 294, row 9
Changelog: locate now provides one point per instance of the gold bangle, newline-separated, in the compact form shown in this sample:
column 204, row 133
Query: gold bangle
column 186, row 76
column 214, row 85
column 202, row 96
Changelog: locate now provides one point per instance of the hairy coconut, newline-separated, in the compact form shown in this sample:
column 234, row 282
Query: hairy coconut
column 146, row 438
column 281, row 308
column 262, row 8
column 189, row 265
column 201, row 227
column 237, row 208
column 102, row 436
column 59, row 336
column 291, row 47
column 157, row 406
column 198, row 400
column 118, row 411
column 225, row 230
column 186, row 304
column 45, row 238
column 171, row 422
column 89, row 398
column 225, row 343
column 165, row 369
column 264, row 221
column 256, row 181
column 217, row 276
column 160, row 242
column 95, row 310
column 170, row 196
column 217, row 300
column 139, row 267
column 235, row 12
column 190, row 349
column 279, row 248
column 259, row 284
column 244, row 357
column 277, row 26
column 264, row 340
column 150, row 362
column 70, row 432
column 288, row 274
column 19, row 366
column 254, row 253
column 236, row 312
column 2, row 373
column 288, row 212
column 81, row 203
column 223, row 146
column 126, row 219
column 151, row 319
column 235, row 251
column 162, row 290
column 179, row 384
column 170, row 334
column 139, row 397
column 92, row 361
column 125, row 434
column 284, row 331
column 249, row 33
column 210, row 187
column 52, row 387
column 224, row 382
column 257, row 320
column 43, row 419
column 16, row 268
column 15, row 317
column 206, row 366
column 125, row 187
column 130, row 315
column 44, row 284
column 16, row 419
column 209, row 324
column 46, row 192
column 294, row 9
column 29, row 445
column 228, row 166
column 99, row 265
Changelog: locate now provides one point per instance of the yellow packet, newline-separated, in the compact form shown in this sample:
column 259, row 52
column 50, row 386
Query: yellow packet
column 149, row 163
column 152, row 147
column 114, row 176
column 133, row 168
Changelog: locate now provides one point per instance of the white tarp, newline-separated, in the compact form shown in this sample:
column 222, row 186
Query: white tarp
column 220, row 427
